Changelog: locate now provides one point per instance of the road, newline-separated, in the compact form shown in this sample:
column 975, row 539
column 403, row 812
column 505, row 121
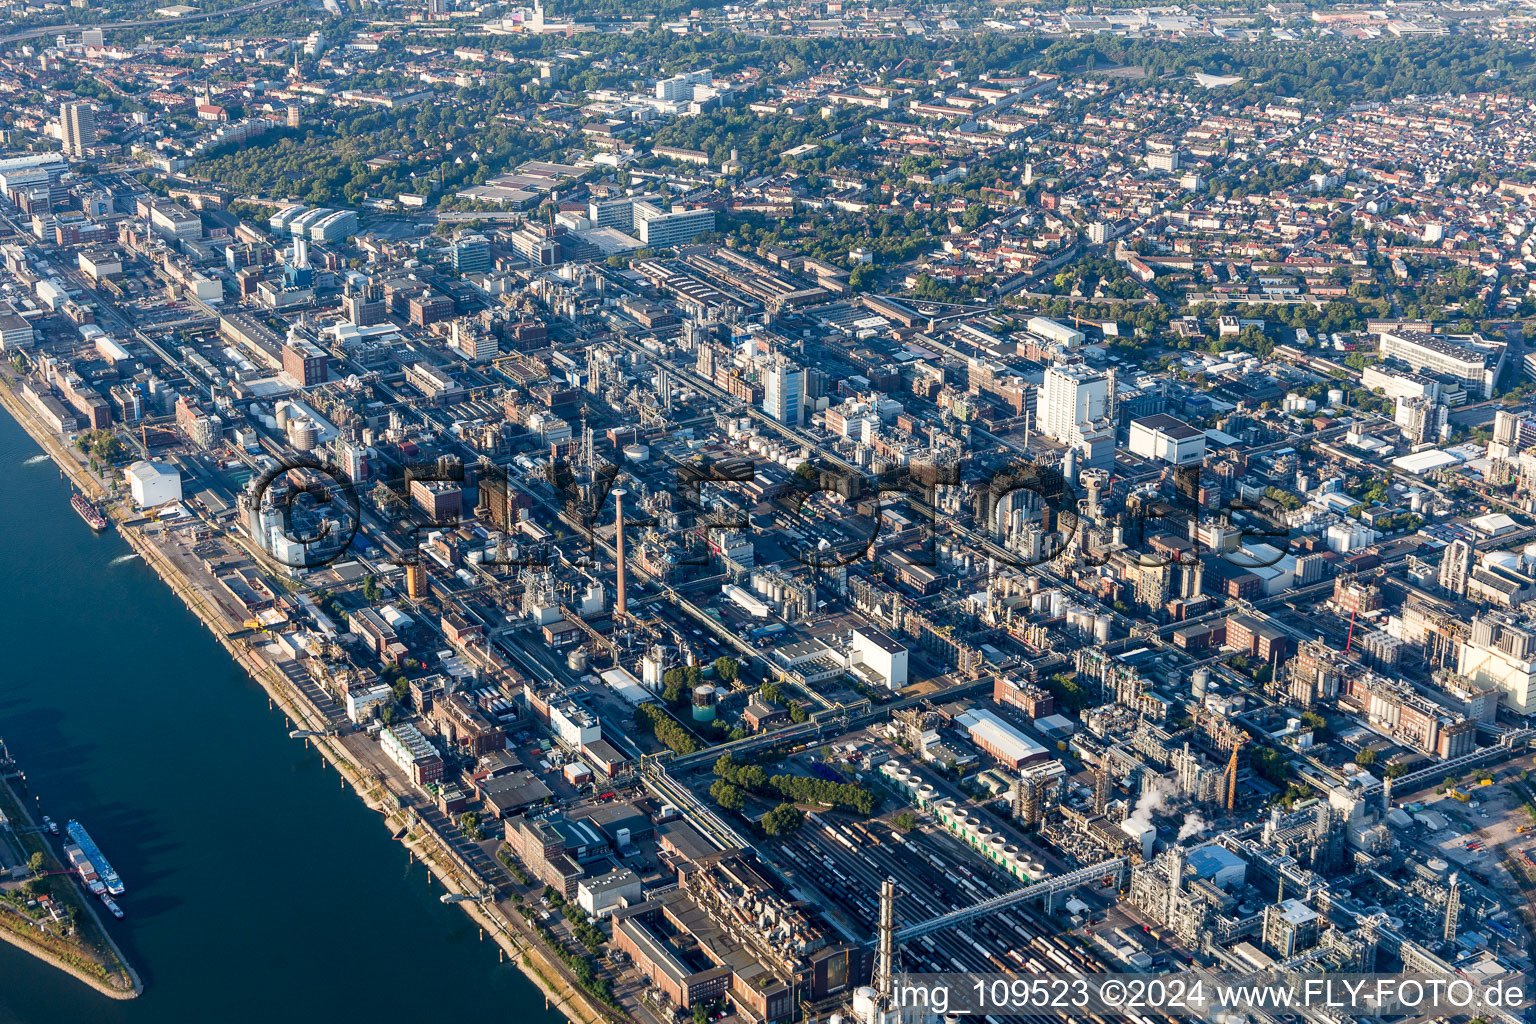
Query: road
column 109, row 26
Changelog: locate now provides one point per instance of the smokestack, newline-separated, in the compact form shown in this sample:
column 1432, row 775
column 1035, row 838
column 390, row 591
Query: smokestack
column 886, row 942
column 619, row 605
column 1386, row 797
column 1175, row 883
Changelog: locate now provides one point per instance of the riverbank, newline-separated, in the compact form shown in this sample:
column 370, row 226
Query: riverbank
column 14, row 932
column 376, row 792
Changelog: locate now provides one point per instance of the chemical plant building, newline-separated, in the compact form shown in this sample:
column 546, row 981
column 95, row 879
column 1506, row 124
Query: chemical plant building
column 412, row 752
column 542, row 677
column 999, row 739
column 879, row 660
column 1166, row 439
column 1077, row 409
column 153, row 484
column 727, row 931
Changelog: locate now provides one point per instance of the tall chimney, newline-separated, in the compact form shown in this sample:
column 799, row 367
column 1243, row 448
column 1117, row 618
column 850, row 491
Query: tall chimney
column 619, row 604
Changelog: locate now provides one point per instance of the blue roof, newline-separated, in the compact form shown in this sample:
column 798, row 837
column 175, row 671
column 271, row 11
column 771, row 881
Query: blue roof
column 1208, row 860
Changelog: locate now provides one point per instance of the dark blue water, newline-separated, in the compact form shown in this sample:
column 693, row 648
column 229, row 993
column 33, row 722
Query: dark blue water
column 258, row 890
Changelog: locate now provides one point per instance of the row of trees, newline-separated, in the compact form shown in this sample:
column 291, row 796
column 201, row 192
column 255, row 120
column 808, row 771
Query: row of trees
column 750, row 778
column 653, row 718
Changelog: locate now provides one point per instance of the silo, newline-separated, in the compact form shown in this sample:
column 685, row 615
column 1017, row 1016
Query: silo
column 576, row 661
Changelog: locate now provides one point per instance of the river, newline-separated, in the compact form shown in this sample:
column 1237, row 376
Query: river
column 257, row 888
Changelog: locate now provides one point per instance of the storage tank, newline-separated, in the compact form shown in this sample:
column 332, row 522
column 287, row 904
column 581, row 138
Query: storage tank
column 1503, row 559
column 1199, row 681
column 1101, row 628
column 303, row 435
column 637, row 452
column 704, row 703
column 866, row 1004
column 1335, row 396
column 576, row 661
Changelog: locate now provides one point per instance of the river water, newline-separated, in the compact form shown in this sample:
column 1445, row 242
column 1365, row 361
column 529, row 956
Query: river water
column 257, row 888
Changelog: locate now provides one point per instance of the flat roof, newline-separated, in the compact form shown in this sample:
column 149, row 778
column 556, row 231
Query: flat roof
column 1170, row 425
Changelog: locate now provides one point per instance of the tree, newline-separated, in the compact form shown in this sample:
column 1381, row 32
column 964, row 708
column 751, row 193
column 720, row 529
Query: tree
column 35, row 863
column 906, row 821
column 1365, row 758
column 1395, row 770
column 727, row 669
column 370, row 588
column 783, row 820
column 1271, row 765
column 729, row 797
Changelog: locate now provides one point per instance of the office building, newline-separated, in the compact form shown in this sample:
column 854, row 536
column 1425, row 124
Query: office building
column 305, row 363
column 471, row 254
column 1475, row 366
column 656, row 227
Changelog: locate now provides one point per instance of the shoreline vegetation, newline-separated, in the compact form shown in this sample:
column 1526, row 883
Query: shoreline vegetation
column 528, row 957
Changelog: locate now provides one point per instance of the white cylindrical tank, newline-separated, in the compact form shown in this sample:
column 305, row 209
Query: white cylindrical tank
column 866, row 1004
column 1503, row 559
column 1101, row 628
column 1199, row 681
column 303, row 435
column 576, row 661
column 637, row 452
column 1335, row 396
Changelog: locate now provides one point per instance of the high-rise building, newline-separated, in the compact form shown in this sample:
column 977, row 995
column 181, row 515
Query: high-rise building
column 471, row 254
column 1512, row 434
column 784, row 392
column 1077, row 408
column 78, row 122
column 293, row 115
